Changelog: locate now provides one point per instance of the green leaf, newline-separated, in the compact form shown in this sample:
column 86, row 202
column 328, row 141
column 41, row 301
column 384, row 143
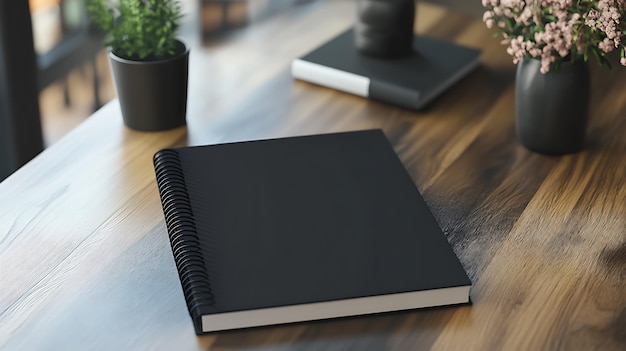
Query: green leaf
column 138, row 28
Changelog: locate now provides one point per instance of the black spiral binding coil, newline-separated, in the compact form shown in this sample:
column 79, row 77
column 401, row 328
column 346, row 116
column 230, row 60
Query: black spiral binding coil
column 182, row 233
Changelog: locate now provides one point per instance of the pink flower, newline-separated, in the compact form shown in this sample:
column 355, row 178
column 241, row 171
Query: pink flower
column 488, row 19
column 606, row 45
column 558, row 30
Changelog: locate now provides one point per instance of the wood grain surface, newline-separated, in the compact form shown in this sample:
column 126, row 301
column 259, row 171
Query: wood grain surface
column 85, row 262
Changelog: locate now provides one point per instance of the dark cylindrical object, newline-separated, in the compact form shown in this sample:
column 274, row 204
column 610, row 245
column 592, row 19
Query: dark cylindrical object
column 384, row 28
column 152, row 94
column 551, row 110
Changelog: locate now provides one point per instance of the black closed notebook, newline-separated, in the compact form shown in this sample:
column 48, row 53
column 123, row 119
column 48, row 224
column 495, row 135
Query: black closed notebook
column 302, row 228
column 411, row 81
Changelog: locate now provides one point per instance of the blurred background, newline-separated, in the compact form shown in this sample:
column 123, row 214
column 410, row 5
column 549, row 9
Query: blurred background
column 73, row 66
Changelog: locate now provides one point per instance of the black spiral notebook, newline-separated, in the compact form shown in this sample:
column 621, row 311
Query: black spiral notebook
column 302, row 228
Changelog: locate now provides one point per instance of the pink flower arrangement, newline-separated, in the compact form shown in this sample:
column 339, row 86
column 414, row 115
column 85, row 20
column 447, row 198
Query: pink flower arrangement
column 558, row 30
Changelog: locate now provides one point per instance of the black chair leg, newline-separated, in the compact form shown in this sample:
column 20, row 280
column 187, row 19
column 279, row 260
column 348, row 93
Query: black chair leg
column 96, row 85
column 66, row 92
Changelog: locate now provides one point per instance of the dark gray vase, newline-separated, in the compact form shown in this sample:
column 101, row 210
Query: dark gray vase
column 152, row 94
column 551, row 110
column 384, row 28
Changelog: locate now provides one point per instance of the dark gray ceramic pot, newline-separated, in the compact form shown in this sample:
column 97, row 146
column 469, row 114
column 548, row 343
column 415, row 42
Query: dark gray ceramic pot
column 384, row 28
column 152, row 94
column 551, row 110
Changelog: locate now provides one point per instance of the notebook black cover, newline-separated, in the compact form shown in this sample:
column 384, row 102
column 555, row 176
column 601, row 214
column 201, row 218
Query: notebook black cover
column 410, row 81
column 267, row 224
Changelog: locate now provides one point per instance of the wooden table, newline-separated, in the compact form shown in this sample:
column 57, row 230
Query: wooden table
column 85, row 261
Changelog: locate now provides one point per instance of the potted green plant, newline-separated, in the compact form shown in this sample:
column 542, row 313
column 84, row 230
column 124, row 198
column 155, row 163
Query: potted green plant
column 148, row 62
